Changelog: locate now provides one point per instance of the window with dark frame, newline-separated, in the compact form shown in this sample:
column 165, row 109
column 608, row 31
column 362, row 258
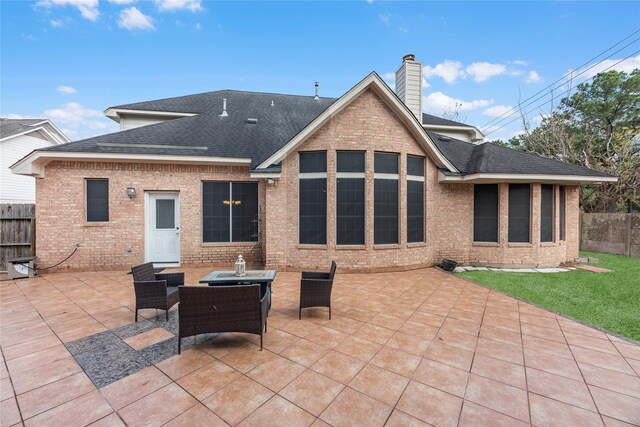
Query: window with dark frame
column 350, row 193
column 229, row 211
column 385, row 194
column 97, row 200
column 485, row 213
column 561, row 206
column 313, row 198
column 519, row 213
column 415, row 199
column 546, row 213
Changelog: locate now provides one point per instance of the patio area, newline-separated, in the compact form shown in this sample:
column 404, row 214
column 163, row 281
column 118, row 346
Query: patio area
column 415, row 348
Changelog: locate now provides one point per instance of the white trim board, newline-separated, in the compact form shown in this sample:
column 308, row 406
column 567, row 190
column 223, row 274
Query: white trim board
column 524, row 178
column 34, row 163
column 374, row 82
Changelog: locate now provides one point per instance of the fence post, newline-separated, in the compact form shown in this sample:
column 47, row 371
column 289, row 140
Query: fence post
column 627, row 241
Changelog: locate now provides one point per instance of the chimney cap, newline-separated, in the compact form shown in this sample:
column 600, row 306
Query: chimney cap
column 409, row 57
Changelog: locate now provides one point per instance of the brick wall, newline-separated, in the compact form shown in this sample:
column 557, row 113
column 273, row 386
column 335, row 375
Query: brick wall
column 366, row 124
column 60, row 214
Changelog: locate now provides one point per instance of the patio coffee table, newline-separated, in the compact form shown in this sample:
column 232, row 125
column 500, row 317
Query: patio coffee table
column 229, row 278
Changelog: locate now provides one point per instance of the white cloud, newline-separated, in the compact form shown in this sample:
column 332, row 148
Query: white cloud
column 519, row 62
column 438, row 103
column 88, row 8
column 122, row 1
column 198, row 27
column 132, row 19
column 628, row 65
column 65, row 90
column 483, row 71
column 497, row 110
column 168, row 5
column 77, row 121
column 449, row 71
column 533, row 77
column 369, row 1
column 56, row 23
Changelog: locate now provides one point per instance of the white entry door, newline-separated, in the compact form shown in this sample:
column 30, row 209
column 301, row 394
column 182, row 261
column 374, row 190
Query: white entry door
column 162, row 226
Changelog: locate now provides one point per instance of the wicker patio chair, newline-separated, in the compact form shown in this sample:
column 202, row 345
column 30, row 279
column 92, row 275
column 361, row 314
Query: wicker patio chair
column 315, row 289
column 155, row 290
column 211, row 309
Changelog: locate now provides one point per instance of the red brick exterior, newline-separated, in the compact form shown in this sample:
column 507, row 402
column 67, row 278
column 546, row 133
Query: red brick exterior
column 365, row 124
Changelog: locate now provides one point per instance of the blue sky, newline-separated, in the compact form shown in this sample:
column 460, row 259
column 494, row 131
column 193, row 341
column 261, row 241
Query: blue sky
column 71, row 59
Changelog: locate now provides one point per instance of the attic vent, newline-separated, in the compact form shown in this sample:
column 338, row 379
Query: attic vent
column 252, row 121
column 444, row 138
column 224, row 108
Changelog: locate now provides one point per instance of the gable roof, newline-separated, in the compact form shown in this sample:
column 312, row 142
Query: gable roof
column 487, row 159
column 282, row 122
column 11, row 128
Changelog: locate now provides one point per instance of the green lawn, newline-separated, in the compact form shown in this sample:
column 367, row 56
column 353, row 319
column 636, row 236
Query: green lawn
column 609, row 300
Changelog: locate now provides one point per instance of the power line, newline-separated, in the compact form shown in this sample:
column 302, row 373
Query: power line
column 566, row 91
column 520, row 104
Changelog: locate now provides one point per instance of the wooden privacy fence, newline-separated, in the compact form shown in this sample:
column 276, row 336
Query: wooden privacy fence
column 611, row 233
column 17, row 232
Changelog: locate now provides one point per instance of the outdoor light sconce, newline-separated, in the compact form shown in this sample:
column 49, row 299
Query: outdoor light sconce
column 131, row 192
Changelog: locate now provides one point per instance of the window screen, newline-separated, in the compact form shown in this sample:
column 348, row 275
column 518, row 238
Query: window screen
column 385, row 193
column 97, row 200
column 485, row 213
column 546, row 213
column 350, row 210
column 562, row 211
column 230, row 212
column 313, row 161
column 312, row 220
column 415, row 199
column 313, row 211
column 216, row 208
column 244, row 212
column 519, row 213
column 165, row 214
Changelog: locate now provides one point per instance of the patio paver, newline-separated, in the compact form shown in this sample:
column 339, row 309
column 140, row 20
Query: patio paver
column 414, row 348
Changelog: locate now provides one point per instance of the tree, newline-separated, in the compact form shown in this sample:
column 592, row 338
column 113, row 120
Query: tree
column 597, row 127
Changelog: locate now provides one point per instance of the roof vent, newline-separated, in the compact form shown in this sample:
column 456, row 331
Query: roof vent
column 272, row 104
column 409, row 57
column 252, row 121
column 316, row 97
column 224, row 108
column 444, row 138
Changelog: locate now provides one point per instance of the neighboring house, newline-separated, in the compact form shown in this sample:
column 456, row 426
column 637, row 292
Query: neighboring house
column 19, row 137
column 293, row 182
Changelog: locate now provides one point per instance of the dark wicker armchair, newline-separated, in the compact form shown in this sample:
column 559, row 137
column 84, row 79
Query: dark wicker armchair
column 315, row 289
column 210, row 309
column 155, row 290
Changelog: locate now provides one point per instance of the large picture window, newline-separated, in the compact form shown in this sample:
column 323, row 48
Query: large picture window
column 313, row 198
column 561, row 205
column 415, row 199
column 385, row 195
column 97, row 200
column 546, row 213
column 519, row 213
column 485, row 213
column 350, row 210
column 229, row 211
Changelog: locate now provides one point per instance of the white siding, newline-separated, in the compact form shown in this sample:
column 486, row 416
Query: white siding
column 130, row 121
column 18, row 188
column 462, row 136
column 409, row 86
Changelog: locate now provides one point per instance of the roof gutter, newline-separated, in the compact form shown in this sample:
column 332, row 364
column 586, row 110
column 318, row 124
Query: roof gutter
column 115, row 113
column 34, row 163
column 482, row 178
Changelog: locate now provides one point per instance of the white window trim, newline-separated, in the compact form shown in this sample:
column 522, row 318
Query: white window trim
column 386, row 176
column 350, row 175
column 312, row 175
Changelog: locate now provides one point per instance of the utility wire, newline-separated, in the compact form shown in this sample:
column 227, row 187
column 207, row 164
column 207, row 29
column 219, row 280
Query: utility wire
column 520, row 104
column 566, row 91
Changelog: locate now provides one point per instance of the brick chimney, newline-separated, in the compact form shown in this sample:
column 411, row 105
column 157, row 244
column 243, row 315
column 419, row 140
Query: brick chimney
column 409, row 84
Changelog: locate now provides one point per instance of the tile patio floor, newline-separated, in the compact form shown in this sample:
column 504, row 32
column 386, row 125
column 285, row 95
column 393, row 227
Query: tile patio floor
column 416, row 348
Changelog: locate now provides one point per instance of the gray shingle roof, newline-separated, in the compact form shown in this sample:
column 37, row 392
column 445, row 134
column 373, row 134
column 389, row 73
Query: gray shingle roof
column 208, row 134
column 491, row 158
column 228, row 136
column 428, row 119
column 9, row 127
